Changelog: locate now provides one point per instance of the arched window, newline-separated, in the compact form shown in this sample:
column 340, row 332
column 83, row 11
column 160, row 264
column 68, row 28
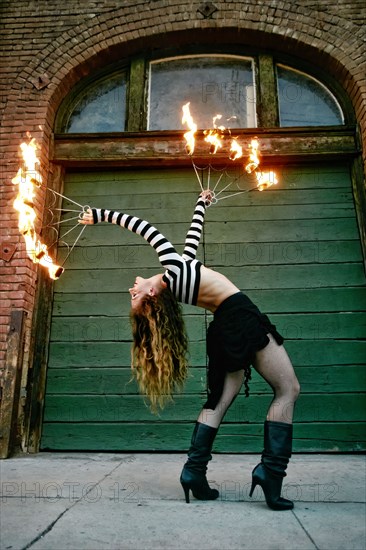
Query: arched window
column 304, row 101
column 100, row 107
column 237, row 87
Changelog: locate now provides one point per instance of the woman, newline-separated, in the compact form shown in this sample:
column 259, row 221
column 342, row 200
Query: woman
column 238, row 337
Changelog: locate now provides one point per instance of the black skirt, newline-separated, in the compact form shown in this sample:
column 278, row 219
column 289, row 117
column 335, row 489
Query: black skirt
column 236, row 333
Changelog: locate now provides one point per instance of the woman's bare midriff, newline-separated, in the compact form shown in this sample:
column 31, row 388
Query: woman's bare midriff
column 214, row 289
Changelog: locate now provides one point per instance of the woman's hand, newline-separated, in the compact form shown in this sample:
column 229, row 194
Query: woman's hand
column 86, row 218
column 207, row 195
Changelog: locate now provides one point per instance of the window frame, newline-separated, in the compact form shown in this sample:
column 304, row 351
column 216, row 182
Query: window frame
column 139, row 146
column 247, row 58
column 265, row 86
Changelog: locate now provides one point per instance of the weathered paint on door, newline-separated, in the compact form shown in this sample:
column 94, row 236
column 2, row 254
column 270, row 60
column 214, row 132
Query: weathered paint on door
column 293, row 249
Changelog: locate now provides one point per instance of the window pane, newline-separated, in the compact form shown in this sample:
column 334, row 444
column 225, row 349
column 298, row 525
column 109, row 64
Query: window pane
column 101, row 108
column 213, row 85
column 303, row 101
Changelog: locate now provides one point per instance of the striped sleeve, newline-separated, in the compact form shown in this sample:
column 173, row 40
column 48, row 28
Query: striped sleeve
column 168, row 256
column 182, row 275
column 195, row 231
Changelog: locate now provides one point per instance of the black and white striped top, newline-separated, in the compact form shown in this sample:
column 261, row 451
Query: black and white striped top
column 182, row 273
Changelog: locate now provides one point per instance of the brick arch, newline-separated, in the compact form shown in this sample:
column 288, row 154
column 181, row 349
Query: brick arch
column 326, row 52
column 124, row 31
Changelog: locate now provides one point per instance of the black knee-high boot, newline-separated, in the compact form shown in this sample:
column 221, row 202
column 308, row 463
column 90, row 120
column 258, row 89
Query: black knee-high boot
column 193, row 476
column 269, row 473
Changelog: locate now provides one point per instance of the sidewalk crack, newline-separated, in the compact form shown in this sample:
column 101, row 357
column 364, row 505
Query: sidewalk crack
column 305, row 530
column 53, row 523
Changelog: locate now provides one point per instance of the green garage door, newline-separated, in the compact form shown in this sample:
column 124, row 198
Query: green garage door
column 295, row 250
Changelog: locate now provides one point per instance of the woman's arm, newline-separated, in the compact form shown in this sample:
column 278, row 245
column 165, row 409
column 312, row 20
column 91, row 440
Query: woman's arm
column 163, row 247
column 167, row 254
column 195, row 231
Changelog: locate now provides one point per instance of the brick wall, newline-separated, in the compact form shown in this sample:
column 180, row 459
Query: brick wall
column 57, row 43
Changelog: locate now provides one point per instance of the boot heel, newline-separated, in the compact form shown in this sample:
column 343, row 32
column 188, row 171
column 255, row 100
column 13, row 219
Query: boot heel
column 254, row 484
column 186, row 491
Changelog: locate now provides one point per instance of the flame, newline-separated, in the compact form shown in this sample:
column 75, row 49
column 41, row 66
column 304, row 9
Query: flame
column 236, row 150
column 253, row 157
column 189, row 136
column 28, row 177
column 218, row 117
column 266, row 179
column 213, row 137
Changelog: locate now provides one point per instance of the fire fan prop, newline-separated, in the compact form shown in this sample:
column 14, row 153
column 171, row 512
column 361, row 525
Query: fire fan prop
column 28, row 180
column 216, row 138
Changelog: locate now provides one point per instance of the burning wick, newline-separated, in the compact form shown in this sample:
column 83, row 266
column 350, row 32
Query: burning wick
column 214, row 139
column 214, row 136
column 253, row 157
column 265, row 180
column 236, row 150
column 27, row 177
column 189, row 136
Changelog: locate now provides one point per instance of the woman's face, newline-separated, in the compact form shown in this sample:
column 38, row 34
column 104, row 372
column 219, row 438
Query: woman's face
column 142, row 288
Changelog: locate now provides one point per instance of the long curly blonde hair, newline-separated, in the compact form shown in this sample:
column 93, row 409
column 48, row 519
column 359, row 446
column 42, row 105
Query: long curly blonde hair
column 159, row 349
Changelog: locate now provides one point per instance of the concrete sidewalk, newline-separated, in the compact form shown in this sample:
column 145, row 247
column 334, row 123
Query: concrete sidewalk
column 62, row 501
